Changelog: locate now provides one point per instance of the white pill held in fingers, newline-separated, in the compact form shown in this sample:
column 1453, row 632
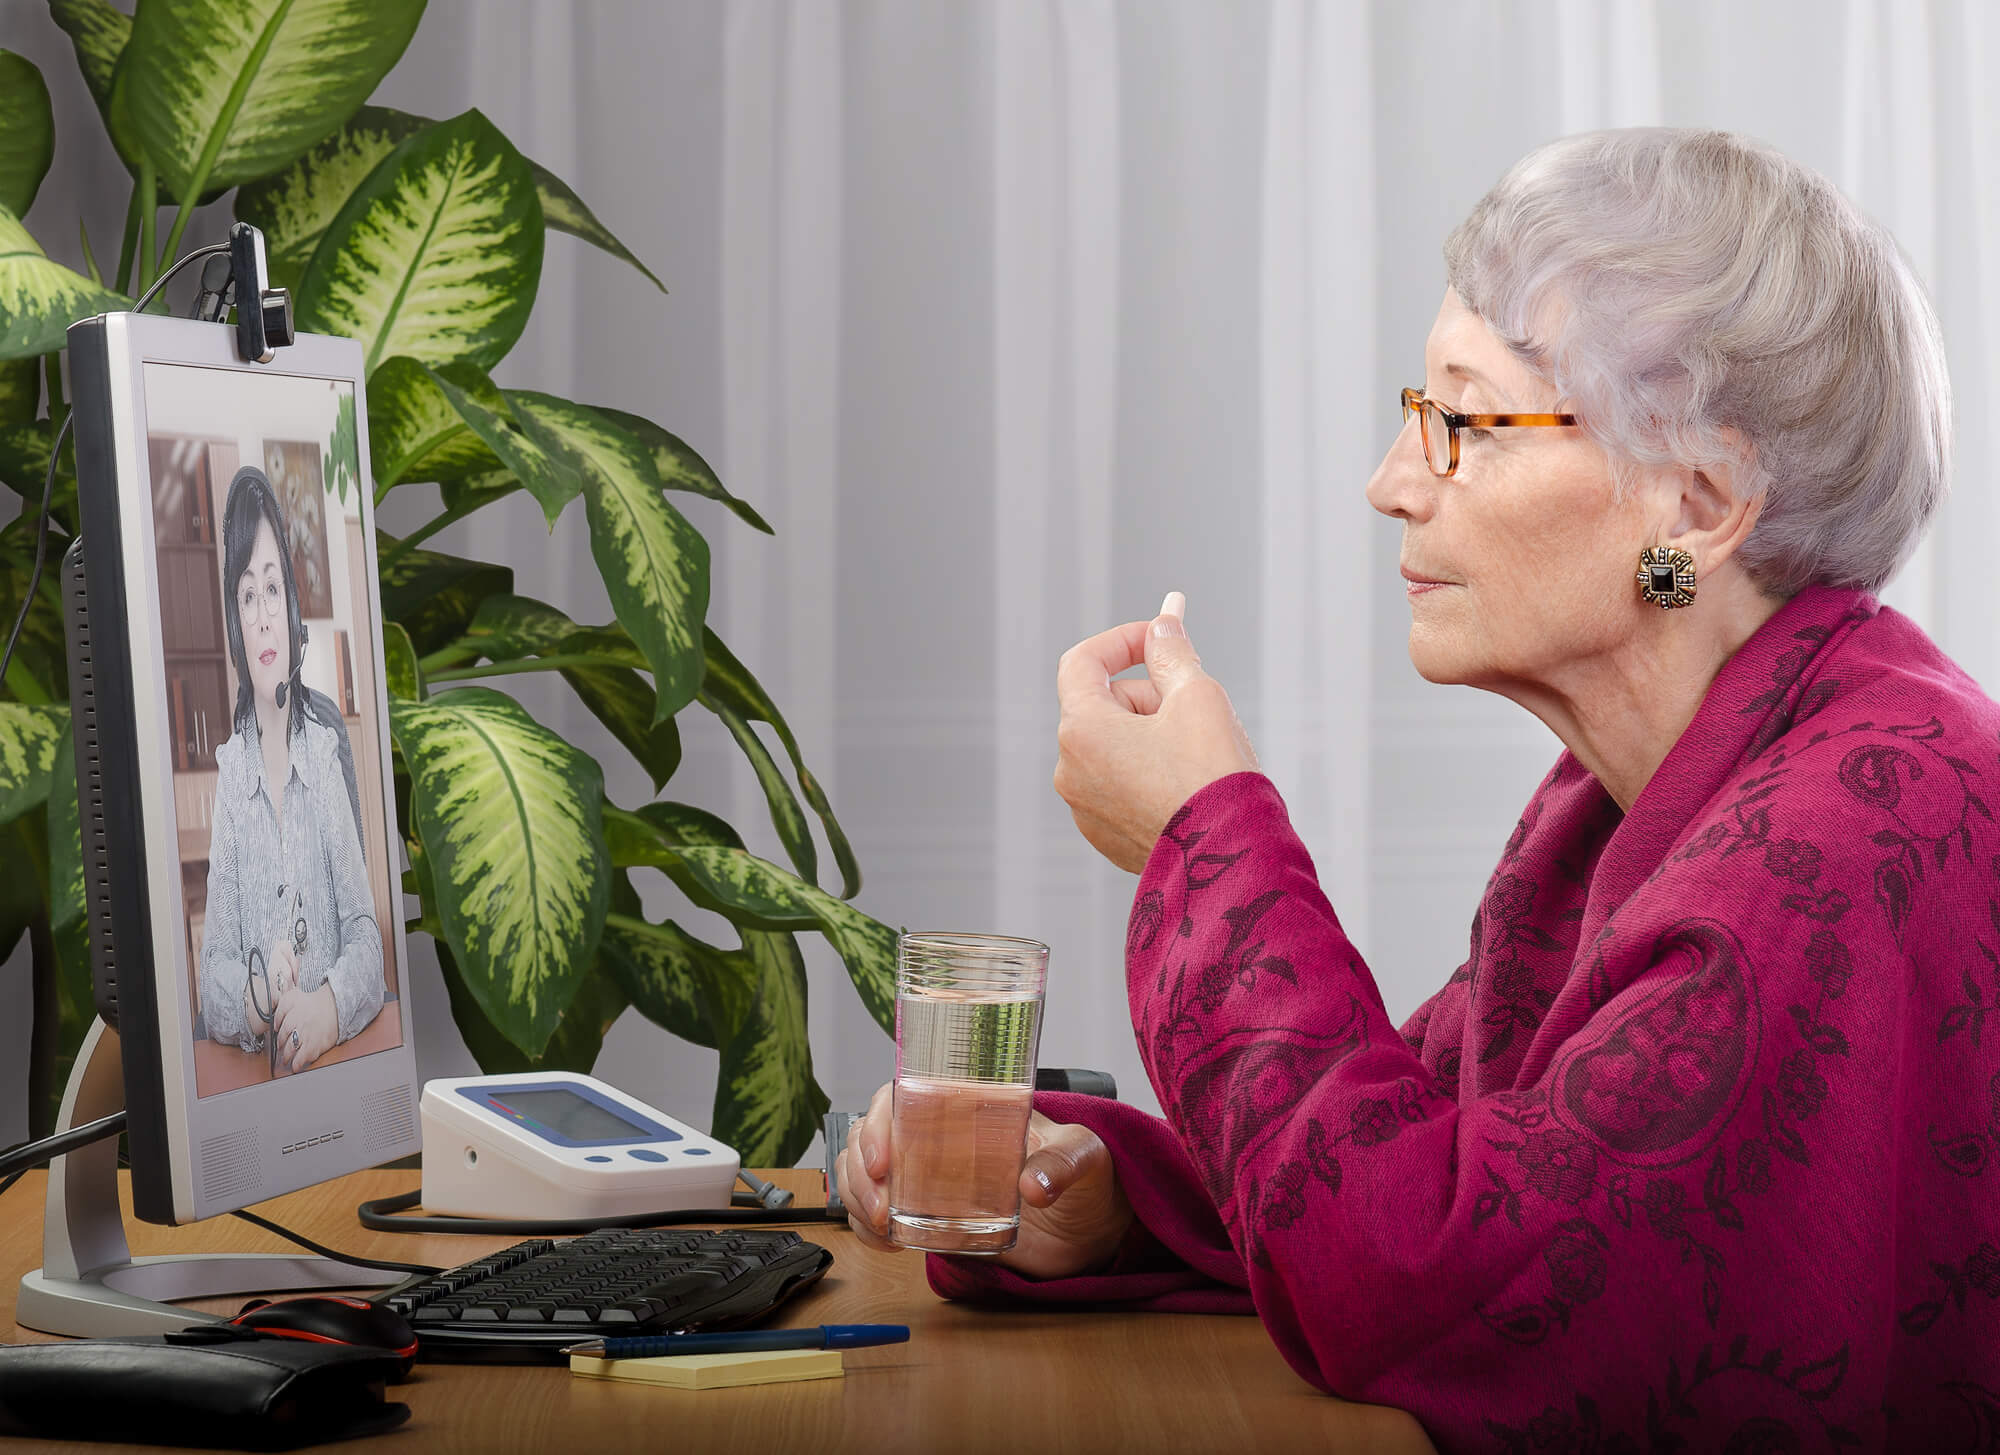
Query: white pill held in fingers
column 1175, row 604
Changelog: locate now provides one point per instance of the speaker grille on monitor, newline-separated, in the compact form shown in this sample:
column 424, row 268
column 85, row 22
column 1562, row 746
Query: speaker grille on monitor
column 387, row 1118
column 90, row 788
column 229, row 1165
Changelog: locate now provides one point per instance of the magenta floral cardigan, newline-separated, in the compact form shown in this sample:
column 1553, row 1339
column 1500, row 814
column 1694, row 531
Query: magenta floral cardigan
column 1699, row 1149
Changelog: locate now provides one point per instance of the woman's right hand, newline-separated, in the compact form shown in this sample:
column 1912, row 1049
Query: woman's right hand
column 1073, row 1212
column 281, row 967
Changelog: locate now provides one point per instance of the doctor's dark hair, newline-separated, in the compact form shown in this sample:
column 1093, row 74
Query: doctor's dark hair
column 1684, row 291
column 251, row 503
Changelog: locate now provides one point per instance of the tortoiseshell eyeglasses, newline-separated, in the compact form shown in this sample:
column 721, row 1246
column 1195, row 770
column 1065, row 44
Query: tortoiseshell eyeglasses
column 1441, row 427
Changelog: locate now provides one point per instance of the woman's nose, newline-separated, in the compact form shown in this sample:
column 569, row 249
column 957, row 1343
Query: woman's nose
column 1402, row 484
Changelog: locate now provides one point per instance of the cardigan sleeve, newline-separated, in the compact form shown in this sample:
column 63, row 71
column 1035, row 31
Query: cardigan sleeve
column 1477, row 1259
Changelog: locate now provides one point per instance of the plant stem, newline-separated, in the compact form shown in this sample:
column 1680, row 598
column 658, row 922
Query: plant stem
column 149, row 218
column 130, row 240
column 89, row 261
column 430, row 528
column 555, row 663
column 443, row 657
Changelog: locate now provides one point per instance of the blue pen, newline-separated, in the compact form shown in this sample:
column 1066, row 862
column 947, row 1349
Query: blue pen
column 743, row 1341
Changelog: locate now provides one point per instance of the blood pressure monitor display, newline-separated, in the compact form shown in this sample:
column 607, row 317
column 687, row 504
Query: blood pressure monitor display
column 567, row 1114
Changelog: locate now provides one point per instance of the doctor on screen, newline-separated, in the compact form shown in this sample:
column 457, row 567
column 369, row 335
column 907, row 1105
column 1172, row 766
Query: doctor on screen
column 291, row 958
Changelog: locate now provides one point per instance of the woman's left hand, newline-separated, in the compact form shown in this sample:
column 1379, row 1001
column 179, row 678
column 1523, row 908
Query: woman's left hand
column 1131, row 752
column 307, row 1025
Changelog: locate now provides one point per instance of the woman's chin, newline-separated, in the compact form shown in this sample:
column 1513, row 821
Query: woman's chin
column 1438, row 655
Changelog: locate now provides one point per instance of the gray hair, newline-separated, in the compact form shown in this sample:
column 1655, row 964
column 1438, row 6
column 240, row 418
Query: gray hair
column 1673, row 283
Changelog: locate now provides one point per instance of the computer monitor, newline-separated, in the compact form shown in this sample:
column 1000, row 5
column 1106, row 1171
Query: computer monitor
column 233, row 759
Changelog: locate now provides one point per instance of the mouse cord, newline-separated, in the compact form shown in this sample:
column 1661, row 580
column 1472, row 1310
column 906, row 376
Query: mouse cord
column 307, row 1243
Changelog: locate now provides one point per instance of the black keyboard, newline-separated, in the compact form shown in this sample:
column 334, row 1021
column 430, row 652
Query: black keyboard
column 525, row 1304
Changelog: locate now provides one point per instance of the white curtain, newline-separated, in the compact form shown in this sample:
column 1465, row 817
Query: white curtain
column 1012, row 315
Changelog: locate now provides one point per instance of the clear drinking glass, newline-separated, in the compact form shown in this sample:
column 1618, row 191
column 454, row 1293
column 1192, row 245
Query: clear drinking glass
column 968, row 1022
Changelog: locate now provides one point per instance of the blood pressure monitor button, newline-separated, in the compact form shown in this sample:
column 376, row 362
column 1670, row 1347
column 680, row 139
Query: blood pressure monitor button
column 645, row 1154
column 697, row 1151
column 596, row 1157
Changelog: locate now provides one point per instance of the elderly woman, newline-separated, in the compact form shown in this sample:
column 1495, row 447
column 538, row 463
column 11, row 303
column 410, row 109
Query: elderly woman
column 1693, row 1151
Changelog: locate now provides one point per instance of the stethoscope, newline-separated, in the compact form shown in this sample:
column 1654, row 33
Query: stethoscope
column 266, row 1004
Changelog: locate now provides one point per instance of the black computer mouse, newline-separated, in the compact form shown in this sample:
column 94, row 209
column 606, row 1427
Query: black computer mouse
column 331, row 1319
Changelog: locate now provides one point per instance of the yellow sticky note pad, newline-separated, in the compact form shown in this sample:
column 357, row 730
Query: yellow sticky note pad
column 714, row 1371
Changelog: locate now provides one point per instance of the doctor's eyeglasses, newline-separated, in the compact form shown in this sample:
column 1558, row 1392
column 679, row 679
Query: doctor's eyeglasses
column 1441, row 427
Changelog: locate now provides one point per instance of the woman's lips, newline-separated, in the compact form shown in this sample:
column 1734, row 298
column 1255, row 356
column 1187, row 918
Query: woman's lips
column 1416, row 585
column 268, row 656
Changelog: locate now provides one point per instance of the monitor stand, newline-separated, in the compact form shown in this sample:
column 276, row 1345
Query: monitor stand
column 89, row 1283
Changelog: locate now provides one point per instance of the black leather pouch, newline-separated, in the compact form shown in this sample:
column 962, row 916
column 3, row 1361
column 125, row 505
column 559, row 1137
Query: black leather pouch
column 201, row 1387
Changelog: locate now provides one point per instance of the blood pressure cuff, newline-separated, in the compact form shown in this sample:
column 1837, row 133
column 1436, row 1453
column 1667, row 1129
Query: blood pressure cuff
column 201, row 1387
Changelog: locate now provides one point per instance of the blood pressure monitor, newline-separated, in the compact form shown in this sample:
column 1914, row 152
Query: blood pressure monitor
column 553, row 1144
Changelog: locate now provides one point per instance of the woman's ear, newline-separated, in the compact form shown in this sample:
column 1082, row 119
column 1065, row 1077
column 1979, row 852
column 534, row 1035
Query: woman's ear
column 1716, row 516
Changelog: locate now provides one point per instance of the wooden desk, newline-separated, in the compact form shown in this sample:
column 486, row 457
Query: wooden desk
column 971, row 1380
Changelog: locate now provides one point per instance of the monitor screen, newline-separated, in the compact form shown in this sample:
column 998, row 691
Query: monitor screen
column 268, row 664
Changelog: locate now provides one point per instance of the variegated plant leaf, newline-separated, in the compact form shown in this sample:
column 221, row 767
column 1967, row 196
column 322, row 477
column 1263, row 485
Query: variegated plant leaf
column 867, row 947
column 24, row 465
column 293, row 207
column 436, row 254
column 434, row 595
column 743, row 886
column 728, row 683
column 27, row 132
column 39, row 299
column 549, row 475
column 683, row 823
column 786, row 815
column 39, row 672
column 509, row 817
column 674, row 979
column 66, row 902
column 754, row 892
column 680, row 468
column 654, row 564
column 415, row 434
column 477, row 492
column 29, row 740
column 517, row 626
column 767, row 1104
column 98, row 32
column 225, row 91
column 20, row 391
column 574, row 1046
column 565, row 212
column 400, row 668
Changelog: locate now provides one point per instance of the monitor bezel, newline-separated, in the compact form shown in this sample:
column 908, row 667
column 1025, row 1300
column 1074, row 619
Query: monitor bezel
column 320, row 1131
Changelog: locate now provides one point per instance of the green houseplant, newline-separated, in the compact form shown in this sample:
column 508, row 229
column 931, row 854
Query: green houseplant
column 423, row 239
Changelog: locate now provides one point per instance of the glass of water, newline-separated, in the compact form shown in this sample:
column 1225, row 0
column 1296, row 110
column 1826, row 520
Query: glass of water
column 968, row 1021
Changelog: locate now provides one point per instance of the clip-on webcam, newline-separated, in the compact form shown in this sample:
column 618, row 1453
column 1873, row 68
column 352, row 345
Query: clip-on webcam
column 241, row 277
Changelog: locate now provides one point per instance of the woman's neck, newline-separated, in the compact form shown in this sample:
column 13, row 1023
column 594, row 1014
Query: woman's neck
column 1621, row 714
column 272, row 721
